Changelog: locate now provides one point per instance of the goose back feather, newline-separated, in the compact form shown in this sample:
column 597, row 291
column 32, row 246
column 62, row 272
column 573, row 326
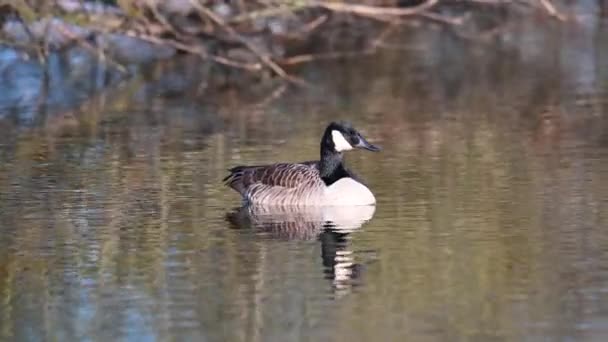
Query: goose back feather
column 283, row 183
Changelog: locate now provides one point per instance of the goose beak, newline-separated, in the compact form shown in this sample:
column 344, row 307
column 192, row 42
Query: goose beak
column 364, row 144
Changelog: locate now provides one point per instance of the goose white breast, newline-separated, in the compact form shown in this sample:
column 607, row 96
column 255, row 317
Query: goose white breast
column 347, row 191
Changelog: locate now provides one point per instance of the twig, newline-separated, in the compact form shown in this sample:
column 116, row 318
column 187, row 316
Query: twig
column 275, row 94
column 552, row 10
column 307, row 58
column 395, row 47
column 375, row 11
column 161, row 19
column 313, row 25
column 385, row 33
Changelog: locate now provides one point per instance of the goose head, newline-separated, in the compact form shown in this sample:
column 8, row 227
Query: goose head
column 341, row 136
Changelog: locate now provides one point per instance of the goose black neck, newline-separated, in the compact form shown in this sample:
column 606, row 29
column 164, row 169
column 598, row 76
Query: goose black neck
column 330, row 165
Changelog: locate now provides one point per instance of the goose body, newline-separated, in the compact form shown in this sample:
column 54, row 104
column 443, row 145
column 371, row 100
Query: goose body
column 313, row 183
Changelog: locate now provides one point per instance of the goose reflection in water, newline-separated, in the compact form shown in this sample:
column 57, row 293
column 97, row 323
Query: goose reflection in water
column 332, row 225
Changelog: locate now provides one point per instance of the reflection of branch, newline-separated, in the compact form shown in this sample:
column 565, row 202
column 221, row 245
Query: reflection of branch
column 264, row 57
column 444, row 19
column 547, row 5
column 82, row 41
column 307, row 58
column 199, row 51
column 373, row 47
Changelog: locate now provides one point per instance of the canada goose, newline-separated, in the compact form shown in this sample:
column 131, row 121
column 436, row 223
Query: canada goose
column 311, row 183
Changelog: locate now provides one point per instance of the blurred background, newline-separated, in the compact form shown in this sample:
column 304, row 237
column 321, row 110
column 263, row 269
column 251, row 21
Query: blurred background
column 120, row 118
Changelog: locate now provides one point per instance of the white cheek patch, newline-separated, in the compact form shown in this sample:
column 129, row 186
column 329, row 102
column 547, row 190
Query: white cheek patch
column 340, row 143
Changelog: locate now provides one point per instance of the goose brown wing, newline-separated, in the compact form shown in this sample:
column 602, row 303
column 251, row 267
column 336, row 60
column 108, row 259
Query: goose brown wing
column 241, row 178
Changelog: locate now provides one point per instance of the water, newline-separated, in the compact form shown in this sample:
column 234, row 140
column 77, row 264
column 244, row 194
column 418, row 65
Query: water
column 492, row 196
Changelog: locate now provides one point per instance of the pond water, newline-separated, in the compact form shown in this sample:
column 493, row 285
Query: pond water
column 492, row 192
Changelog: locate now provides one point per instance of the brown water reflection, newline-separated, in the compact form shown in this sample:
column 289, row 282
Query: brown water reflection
column 491, row 188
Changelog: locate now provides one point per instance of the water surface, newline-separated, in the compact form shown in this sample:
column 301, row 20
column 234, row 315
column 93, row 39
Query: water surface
column 492, row 196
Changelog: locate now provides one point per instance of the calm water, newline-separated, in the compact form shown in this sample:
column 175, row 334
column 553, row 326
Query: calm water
column 490, row 225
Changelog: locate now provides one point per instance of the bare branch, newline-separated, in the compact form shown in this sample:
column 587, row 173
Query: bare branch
column 377, row 11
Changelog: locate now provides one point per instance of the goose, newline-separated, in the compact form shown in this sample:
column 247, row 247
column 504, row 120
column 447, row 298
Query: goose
column 324, row 182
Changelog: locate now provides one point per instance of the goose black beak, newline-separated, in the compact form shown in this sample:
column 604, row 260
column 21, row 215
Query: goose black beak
column 364, row 144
